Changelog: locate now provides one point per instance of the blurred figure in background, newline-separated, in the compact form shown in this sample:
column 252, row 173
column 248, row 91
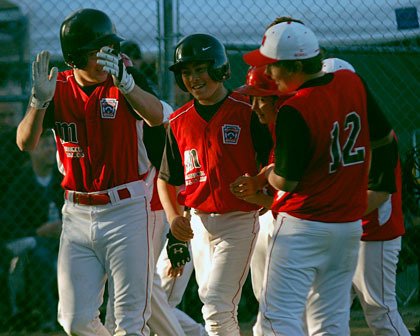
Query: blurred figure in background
column 30, row 228
column 146, row 69
column 10, row 163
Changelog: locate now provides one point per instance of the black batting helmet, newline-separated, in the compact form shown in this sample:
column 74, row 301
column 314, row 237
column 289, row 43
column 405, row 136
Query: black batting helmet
column 201, row 48
column 83, row 31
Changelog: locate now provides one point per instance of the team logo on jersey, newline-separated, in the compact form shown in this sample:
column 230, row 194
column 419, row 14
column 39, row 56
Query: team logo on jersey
column 231, row 134
column 109, row 108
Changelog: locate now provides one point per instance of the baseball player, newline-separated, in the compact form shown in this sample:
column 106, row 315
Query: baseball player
column 210, row 141
column 265, row 102
column 163, row 320
column 383, row 225
column 97, row 111
column 323, row 143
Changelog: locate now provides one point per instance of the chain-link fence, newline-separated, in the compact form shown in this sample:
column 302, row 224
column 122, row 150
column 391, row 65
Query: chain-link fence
column 381, row 38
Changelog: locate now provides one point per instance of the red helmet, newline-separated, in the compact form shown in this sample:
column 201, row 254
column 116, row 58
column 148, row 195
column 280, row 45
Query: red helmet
column 258, row 83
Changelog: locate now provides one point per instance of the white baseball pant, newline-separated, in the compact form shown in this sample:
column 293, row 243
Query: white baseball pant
column 162, row 321
column 258, row 264
column 374, row 284
column 221, row 255
column 106, row 242
column 175, row 289
column 315, row 258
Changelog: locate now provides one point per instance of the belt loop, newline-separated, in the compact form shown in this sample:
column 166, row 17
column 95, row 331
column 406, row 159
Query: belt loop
column 113, row 196
column 69, row 195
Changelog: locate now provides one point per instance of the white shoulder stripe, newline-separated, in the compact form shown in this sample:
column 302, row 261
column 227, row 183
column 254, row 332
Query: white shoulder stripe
column 66, row 80
column 181, row 113
column 239, row 101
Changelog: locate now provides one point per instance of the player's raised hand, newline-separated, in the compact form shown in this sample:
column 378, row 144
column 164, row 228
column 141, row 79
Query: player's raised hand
column 114, row 65
column 44, row 82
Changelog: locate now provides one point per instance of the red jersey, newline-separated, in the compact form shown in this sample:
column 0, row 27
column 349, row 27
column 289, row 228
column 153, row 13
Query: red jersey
column 387, row 221
column 99, row 140
column 333, row 187
column 214, row 154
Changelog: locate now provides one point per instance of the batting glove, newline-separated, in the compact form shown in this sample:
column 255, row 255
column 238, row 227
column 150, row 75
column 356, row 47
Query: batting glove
column 43, row 86
column 114, row 65
column 178, row 252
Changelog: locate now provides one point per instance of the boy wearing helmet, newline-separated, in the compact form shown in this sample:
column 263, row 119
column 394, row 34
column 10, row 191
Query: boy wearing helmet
column 97, row 112
column 210, row 141
column 265, row 102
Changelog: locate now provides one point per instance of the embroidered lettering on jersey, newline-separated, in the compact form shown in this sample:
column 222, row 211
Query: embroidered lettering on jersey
column 74, row 151
column 231, row 134
column 109, row 108
column 195, row 178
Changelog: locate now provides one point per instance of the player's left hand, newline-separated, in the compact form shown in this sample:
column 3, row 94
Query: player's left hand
column 114, row 65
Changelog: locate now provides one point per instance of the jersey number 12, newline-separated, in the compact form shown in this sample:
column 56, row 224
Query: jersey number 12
column 346, row 155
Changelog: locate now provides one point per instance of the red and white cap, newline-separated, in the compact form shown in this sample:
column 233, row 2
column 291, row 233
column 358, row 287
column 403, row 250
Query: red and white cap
column 333, row 64
column 284, row 41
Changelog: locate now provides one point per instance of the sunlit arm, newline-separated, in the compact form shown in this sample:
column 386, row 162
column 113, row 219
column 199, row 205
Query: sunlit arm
column 168, row 198
column 30, row 129
column 146, row 105
column 278, row 182
column 375, row 200
column 179, row 224
column 260, row 199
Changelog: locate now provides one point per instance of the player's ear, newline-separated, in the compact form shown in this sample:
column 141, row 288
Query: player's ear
column 297, row 66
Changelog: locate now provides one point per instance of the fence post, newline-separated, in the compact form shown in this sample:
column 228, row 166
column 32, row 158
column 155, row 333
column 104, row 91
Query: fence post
column 168, row 47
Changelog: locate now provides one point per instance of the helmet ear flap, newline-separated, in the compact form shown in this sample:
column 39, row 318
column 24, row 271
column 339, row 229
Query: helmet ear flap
column 219, row 74
column 77, row 61
column 179, row 81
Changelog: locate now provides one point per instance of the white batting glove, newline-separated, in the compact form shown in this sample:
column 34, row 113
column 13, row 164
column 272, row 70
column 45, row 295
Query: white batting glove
column 114, row 65
column 43, row 86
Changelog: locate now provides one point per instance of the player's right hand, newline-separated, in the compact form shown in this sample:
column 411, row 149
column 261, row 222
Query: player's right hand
column 244, row 186
column 178, row 252
column 44, row 83
column 181, row 228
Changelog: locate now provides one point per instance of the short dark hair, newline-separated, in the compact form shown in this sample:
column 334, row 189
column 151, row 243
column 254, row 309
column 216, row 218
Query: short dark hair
column 281, row 19
column 309, row 66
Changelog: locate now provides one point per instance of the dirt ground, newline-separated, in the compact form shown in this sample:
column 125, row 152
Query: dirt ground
column 410, row 315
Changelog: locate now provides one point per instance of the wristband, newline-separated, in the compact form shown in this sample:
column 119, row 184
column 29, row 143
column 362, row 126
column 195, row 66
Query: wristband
column 128, row 85
column 39, row 105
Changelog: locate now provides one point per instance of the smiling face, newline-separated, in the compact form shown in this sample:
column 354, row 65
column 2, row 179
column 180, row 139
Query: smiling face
column 265, row 108
column 199, row 83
